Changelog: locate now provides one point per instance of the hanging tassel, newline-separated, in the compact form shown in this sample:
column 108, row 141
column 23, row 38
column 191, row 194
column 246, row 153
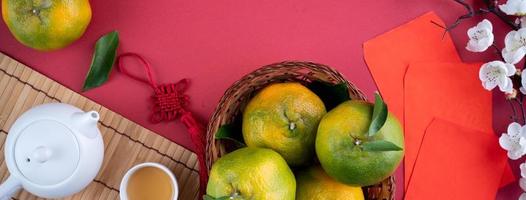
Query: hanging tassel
column 196, row 133
column 170, row 103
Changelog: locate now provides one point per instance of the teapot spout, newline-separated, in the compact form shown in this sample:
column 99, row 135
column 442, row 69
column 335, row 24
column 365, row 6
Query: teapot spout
column 86, row 123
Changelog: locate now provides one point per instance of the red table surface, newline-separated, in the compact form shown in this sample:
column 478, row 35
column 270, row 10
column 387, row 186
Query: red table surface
column 214, row 43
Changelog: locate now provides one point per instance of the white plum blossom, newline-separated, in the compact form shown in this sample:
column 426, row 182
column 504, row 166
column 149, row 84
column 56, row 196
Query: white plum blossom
column 515, row 46
column 480, row 36
column 514, row 141
column 514, row 7
column 497, row 73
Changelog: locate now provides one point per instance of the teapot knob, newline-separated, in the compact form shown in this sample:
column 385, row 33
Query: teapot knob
column 41, row 154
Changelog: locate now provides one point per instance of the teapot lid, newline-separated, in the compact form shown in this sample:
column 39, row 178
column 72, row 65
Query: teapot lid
column 46, row 152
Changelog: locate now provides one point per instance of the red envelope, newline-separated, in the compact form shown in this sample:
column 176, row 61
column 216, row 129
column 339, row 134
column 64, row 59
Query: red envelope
column 456, row 163
column 389, row 54
column 449, row 91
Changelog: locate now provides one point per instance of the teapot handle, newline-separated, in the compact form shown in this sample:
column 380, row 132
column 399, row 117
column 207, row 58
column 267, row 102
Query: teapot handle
column 9, row 188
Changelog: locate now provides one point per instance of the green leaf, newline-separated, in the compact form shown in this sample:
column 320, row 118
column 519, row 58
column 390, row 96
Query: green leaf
column 102, row 61
column 228, row 132
column 331, row 94
column 380, row 145
column 208, row 197
column 379, row 115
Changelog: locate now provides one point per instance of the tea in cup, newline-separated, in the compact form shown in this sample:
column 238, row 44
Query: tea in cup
column 148, row 181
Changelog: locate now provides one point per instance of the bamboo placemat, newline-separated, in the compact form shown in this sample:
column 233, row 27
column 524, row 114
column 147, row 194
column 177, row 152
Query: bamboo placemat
column 125, row 142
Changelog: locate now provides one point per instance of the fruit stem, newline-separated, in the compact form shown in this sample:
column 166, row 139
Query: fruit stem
column 235, row 193
column 357, row 142
column 292, row 126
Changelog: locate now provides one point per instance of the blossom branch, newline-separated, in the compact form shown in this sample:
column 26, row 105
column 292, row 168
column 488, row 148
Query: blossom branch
column 457, row 22
column 490, row 8
column 503, row 74
column 502, row 16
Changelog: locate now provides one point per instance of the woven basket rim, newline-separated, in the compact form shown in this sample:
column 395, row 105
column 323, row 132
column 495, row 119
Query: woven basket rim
column 217, row 118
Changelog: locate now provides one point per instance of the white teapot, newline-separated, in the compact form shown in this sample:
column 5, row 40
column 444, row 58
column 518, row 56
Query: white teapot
column 52, row 150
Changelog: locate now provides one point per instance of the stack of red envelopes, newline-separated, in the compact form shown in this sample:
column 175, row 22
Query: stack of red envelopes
column 451, row 150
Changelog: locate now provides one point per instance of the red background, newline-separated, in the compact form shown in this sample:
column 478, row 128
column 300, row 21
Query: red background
column 214, row 43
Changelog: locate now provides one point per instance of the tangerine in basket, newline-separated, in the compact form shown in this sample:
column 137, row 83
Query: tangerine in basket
column 313, row 183
column 284, row 117
column 342, row 134
column 251, row 173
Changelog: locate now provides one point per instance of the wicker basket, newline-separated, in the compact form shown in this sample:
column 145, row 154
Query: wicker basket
column 237, row 96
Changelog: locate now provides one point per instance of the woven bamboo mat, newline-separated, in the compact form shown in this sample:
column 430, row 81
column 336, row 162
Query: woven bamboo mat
column 125, row 142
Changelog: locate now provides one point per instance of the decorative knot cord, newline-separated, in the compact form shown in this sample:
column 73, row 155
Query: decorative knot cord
column 170, row 103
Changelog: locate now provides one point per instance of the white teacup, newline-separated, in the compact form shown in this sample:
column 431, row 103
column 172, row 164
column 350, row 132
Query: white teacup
column 124, row 183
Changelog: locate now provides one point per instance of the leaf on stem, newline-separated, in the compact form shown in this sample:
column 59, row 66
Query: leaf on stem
column 380, row 145
column 102, row 61
column 379, row 115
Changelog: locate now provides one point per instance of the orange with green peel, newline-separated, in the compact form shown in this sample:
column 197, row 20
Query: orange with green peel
column 46, row 24
column 251, row 173
column 342, row 139
column 284, row 117
column 314, row 184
